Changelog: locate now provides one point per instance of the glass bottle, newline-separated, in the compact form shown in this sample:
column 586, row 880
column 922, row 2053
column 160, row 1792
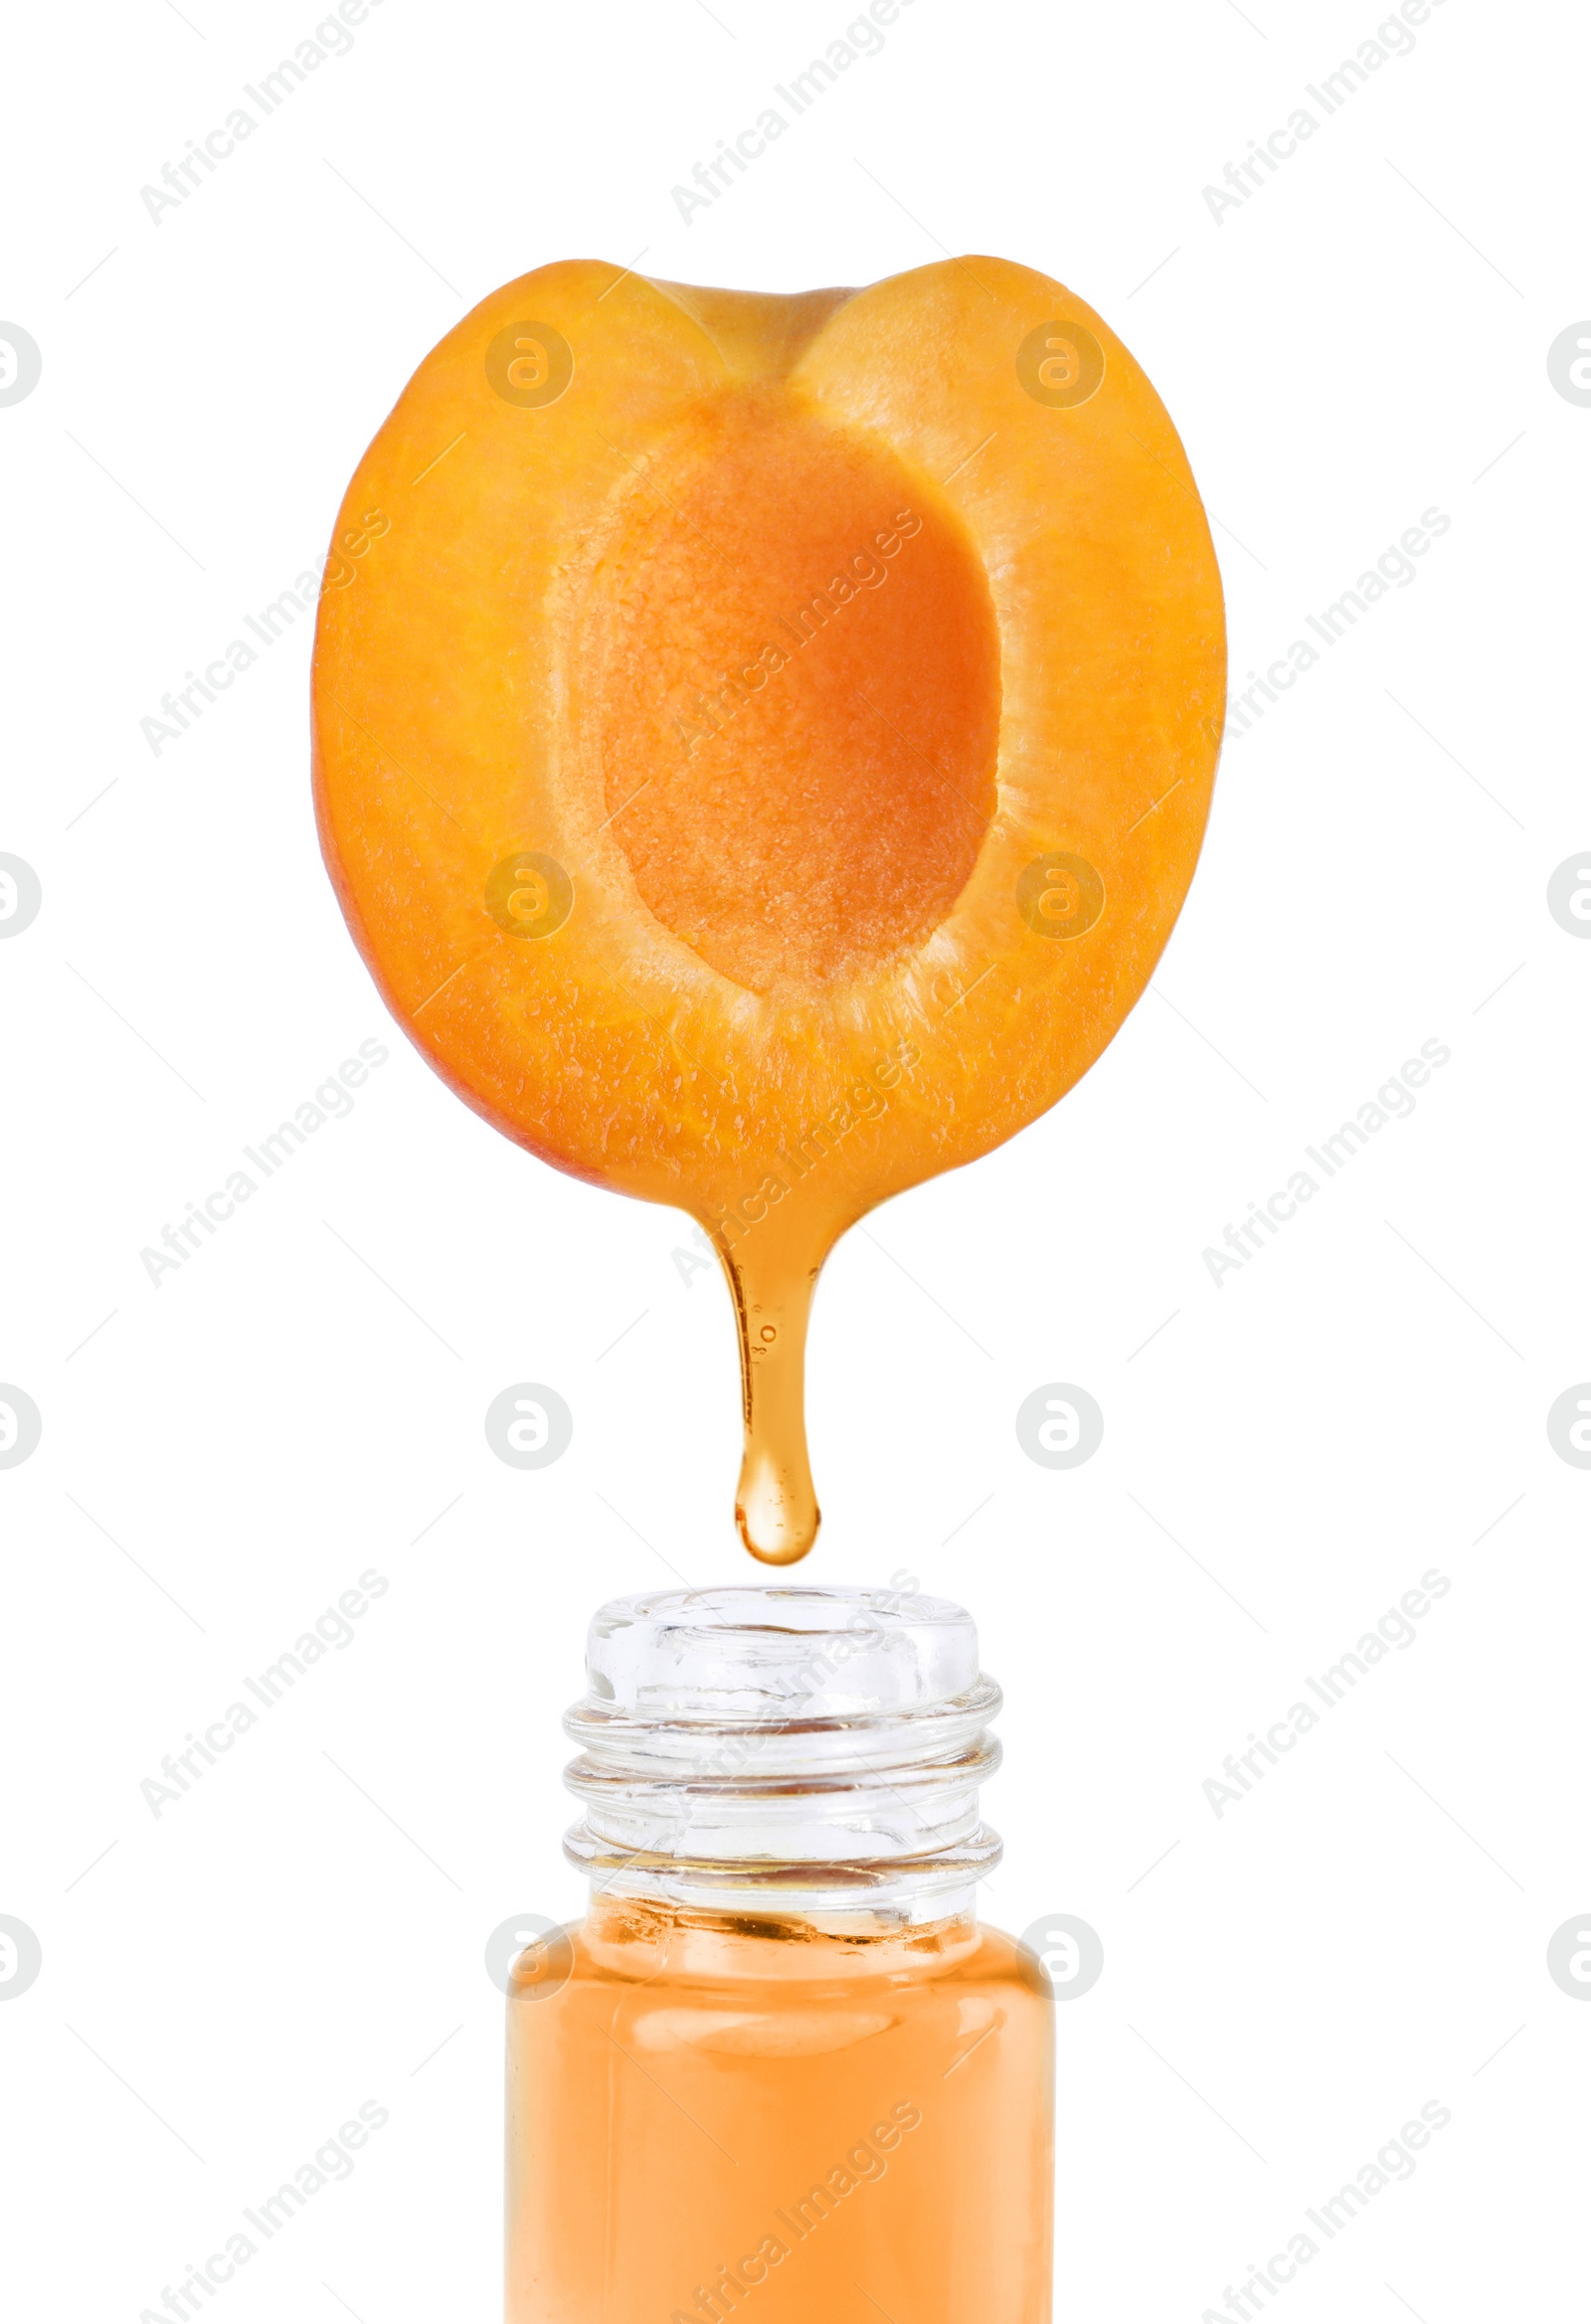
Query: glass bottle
column 780, row 2066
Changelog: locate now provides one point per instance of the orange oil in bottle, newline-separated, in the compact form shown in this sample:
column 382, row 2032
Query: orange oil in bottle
column 715, row 2118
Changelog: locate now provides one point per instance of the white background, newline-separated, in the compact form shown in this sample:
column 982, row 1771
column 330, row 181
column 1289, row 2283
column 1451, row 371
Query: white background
column 1363, row 339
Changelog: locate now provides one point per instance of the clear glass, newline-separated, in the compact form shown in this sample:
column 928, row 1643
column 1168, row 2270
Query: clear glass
column 780, row 2062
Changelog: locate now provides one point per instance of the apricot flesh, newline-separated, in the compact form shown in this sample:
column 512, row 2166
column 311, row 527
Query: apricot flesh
column 764, row 754
column 819, row 773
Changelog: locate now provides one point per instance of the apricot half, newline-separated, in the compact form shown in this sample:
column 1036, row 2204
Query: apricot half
column 761, row 744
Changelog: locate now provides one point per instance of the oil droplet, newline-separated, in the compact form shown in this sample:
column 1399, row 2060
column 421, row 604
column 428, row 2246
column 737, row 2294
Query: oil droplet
column 772, row 1269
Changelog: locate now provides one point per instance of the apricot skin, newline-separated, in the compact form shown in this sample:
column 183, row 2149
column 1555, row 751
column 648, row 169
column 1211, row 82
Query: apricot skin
column 827, row 932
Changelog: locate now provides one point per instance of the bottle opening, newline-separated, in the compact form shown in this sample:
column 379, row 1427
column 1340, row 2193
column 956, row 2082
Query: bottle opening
column 786, row 1748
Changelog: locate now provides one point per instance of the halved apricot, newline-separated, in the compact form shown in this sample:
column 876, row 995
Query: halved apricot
column 761, row 744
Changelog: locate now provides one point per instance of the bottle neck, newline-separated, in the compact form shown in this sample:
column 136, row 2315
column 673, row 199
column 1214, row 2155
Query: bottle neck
column 825, row 1768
